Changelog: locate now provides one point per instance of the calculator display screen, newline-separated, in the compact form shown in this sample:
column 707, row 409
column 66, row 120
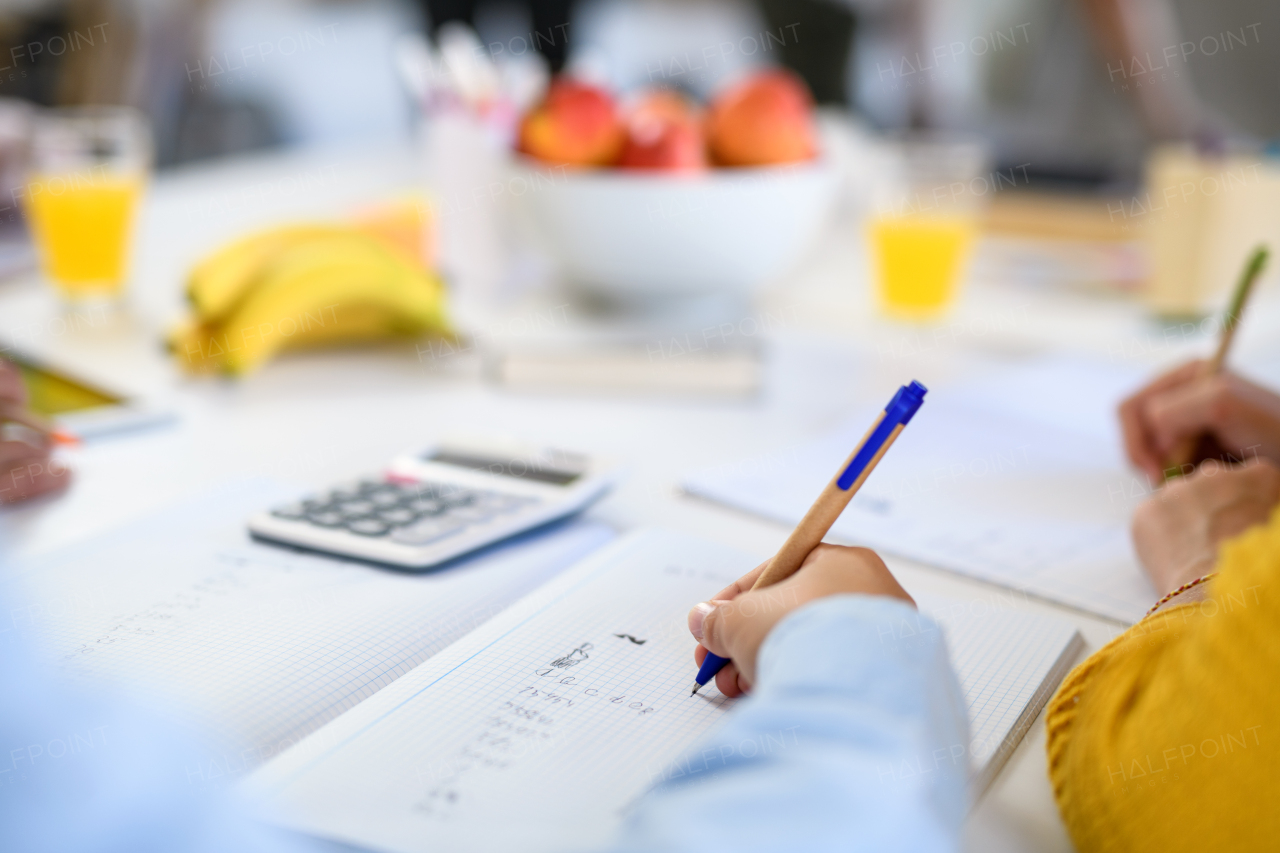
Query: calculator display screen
column 543, row 468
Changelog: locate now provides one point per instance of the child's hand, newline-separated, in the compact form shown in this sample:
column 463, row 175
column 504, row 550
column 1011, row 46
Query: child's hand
column 1177, row 532
column 27, row 468
column 735, row 622
column 1240, row 418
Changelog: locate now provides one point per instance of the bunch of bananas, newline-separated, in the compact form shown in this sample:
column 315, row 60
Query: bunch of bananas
column 304, row 285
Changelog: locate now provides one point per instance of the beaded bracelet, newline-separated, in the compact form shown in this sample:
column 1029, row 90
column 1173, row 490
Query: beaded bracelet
column 1179, row 591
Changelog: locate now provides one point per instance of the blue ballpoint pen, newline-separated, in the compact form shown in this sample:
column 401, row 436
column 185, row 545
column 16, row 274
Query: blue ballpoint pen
column 834, row 498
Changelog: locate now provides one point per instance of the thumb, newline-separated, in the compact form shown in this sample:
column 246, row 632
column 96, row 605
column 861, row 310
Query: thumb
column 735, row 629
column 718, row 627
column 699, row 614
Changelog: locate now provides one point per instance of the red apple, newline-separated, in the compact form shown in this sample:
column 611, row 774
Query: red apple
column 663, row 132
column 763, row 120
column 576, row 124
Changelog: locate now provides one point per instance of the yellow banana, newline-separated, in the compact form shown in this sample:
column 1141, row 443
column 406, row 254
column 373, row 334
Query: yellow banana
column 201, row 347
column 191, row 344
column 333, row 288
column 219, row 281
column 347, row 324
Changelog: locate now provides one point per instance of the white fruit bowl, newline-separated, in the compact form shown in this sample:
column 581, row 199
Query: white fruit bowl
column 643, row 236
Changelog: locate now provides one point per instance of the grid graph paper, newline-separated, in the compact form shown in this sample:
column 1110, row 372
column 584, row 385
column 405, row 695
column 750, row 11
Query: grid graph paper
column 1008, row 663
column 255, row 646
column 541, row 726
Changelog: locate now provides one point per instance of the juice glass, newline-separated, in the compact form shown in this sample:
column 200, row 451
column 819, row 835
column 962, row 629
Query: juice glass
column 88, row 168
column 924, row 224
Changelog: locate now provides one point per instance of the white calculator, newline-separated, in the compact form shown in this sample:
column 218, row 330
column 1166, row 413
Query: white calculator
column 432, row 506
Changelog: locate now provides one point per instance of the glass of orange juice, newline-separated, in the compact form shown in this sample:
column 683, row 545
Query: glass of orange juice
column 88, row 169
column 926, row 216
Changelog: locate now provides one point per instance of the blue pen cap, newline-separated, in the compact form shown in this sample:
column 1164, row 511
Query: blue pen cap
column 900, row 410
column 904, row 405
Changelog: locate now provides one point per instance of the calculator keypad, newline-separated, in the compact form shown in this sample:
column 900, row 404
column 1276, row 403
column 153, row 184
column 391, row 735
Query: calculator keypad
column 408, row 513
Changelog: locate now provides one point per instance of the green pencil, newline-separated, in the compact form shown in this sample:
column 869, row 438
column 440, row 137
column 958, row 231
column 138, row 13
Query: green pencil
column 1185, row 451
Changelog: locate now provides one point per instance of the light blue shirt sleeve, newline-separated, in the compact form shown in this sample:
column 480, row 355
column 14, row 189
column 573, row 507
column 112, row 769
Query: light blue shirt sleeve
column 855, row 738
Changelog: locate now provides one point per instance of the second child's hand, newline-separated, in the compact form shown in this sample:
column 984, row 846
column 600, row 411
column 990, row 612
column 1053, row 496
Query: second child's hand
column 1241, row 418
column 736, row 621
column 1178, row 531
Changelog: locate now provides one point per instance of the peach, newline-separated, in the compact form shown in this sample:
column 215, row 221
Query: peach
column 576, row 124
column 663, row 132
column 763, row 120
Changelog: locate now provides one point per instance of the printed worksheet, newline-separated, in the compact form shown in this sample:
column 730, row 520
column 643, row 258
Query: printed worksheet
column 541, row 728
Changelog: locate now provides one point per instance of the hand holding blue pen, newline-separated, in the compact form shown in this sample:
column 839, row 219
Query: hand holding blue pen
column 834, row 498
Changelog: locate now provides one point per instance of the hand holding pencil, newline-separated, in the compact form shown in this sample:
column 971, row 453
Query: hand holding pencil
column 736, row 621
column 1227, row 416
column 801, row 547
column 1201, row 410
column 1180, row 456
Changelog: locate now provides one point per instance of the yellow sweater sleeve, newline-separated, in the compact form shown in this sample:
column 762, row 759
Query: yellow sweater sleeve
column 1168, row 738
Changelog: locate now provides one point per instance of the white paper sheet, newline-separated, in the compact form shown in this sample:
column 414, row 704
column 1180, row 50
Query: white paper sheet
column 541, row 727
column 989, row 491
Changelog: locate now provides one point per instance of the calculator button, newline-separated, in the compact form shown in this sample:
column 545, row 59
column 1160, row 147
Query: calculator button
column 397, row 515
column 292, row 512
column 355, row 508
column 368, row 526
column 385, row 497
column 428, row 530
column 419, row 489
column 326, row 518
column 426, row 506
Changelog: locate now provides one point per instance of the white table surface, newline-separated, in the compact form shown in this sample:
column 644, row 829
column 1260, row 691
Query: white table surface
column 321, row 417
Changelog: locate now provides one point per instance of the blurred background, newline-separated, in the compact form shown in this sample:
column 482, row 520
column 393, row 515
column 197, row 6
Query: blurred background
column 1059, row 83
column 648, row 167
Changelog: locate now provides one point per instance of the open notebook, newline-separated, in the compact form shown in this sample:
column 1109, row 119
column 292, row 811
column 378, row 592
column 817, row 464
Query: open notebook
column 530, row 693
column 542, row 727
column 1017, row 481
